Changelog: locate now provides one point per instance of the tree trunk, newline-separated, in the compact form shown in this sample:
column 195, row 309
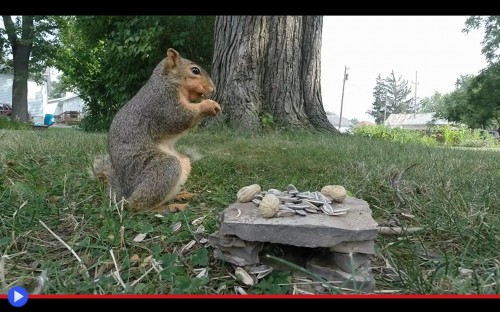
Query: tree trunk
column 21, row 50
column 269, row 65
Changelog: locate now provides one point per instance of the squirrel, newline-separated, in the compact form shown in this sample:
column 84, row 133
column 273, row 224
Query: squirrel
column 144, row 167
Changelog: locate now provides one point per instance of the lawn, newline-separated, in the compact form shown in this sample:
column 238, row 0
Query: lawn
column 57, row 222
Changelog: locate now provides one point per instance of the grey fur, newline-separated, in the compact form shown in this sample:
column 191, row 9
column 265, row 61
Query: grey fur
column 140, row 171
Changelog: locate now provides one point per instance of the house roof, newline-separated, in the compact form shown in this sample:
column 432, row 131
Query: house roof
column 413, row 120
column 62, row 99
column 363, row 123
column 334, row 120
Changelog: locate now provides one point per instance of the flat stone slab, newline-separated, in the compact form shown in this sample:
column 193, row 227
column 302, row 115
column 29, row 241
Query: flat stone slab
column 312, row 230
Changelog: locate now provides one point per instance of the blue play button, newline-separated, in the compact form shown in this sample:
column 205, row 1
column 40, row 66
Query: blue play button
column 17, row 296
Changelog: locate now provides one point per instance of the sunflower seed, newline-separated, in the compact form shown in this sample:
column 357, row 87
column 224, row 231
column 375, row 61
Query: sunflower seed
column 175, row 227
column 312, row 210
column 243, row 276
column 197, row 221
column 240, row 290
column 301, row 212
column 256, row 201
column 326, row 208
column 187, row 246
column 297, row 206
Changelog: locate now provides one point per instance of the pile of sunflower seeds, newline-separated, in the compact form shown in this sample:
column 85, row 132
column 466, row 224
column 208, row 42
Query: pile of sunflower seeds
column 293, row 202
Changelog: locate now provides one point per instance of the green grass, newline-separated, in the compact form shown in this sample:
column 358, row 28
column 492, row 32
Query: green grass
column 7, row 123
column 46, row 177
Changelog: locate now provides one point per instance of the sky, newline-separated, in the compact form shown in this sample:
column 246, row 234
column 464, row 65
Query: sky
column 432, row 50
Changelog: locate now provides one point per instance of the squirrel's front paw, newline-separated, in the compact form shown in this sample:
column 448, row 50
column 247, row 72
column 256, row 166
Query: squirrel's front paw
column 210, row 107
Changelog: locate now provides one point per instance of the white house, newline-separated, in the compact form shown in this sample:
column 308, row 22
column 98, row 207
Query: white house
column 414, row 121
column 38, row 103
column 71, row 102
column 60, row 107
column 37, row 94
column 345, row 126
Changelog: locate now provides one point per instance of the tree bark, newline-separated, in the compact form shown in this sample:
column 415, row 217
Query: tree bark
column 269, row 65
column 21, row 50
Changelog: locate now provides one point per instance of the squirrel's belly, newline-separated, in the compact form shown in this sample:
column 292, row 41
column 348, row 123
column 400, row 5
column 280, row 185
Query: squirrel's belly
column 166, row 145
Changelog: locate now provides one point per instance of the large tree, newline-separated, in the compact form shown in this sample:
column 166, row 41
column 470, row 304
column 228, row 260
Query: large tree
column 269, row 67
column 31, row 42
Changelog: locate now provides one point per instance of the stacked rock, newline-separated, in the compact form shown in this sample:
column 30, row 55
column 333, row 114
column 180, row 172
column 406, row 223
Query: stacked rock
column 341, row 225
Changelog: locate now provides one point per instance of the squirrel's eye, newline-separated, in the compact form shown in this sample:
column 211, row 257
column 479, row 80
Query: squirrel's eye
column 195, row 70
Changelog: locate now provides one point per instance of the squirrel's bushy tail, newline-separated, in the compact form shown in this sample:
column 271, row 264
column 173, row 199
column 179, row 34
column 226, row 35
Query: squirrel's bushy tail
column 102, row 168
column 102, row 164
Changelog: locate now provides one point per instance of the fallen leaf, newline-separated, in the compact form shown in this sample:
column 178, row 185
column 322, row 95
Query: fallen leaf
column 139, row 237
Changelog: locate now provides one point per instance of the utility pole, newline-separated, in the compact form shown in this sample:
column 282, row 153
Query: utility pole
column 385, row 106
column 415, row 101
column 342, row 101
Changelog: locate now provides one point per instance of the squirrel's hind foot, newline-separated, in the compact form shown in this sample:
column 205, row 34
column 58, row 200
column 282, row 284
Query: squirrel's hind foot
column 184, row 195
column 172, row 208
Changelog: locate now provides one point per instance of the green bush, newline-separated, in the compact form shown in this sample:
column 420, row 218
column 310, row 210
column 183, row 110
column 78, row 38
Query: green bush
column 461, row 136
column 394, row 134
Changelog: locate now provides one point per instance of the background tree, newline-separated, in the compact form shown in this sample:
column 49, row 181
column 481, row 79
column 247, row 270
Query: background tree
column 491, row 40
column 483, row 95
column 398, row 92
column 431, row 104
column 269, row 67
column 456, row 105
column 57, row 90
column 390, row 97
column 379, row 96
column 28, row 45
column 107, row 59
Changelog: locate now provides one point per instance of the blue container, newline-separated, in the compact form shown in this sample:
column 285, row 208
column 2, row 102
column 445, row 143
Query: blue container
column 49, row 119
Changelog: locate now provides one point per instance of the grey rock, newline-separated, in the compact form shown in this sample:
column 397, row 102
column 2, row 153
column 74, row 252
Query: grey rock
column 230, row 258
column 349, row 262
column 364, row 247
column 235, row 250
column 316, row 230
column 361, row 279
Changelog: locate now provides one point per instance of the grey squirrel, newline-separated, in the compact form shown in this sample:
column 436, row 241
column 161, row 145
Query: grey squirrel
column 145, row 168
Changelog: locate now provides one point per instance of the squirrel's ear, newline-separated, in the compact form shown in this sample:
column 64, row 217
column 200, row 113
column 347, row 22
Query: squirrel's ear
column 173, row 58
